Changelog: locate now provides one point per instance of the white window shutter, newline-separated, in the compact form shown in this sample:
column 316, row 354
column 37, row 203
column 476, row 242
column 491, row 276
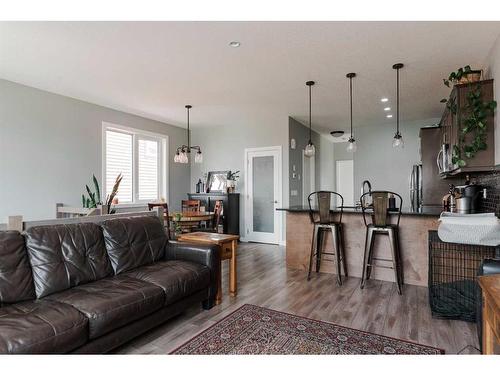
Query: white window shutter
column 147, row 174
column 119, row 151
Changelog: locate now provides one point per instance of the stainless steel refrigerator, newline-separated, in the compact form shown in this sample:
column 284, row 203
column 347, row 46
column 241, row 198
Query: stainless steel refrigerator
column 415, row 187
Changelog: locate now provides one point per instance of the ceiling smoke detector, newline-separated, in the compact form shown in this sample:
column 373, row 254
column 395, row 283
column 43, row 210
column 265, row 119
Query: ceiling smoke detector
column 234, row 44
column 337, row 133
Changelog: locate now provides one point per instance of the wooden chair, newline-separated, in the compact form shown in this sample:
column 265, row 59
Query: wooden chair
column 217, row 219
column 165, row 214
column 190, row 205
column 380, row 224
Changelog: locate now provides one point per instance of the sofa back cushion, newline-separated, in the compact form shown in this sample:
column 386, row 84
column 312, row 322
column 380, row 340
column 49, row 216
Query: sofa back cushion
column 16, row 282
column 64, row 256
column 133, row 242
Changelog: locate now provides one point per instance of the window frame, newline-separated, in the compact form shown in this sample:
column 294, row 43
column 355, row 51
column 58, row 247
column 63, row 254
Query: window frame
column 163, row 162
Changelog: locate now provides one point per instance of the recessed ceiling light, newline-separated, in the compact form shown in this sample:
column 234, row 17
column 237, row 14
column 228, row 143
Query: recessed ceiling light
column 383, row 100
column 234, row 44
column 388, row 116
column 387, row 108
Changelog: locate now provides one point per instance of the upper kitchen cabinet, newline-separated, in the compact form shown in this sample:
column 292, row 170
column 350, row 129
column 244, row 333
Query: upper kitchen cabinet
column 467, row 151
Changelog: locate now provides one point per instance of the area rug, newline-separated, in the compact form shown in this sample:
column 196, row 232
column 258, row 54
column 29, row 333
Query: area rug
column 257, row 330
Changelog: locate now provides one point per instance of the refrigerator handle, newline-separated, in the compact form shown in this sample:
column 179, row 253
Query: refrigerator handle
column 411, row 186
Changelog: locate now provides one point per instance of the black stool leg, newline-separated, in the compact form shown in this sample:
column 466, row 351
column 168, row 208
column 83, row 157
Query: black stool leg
column 368, row 241
column 400, row 259
column 370, row 256
column 336, row 249
column 314, row 238
column 395, row 264
column 319, row 248
column 342, row 245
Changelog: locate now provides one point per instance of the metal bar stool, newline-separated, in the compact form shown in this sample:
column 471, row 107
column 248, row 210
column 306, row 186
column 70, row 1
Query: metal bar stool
column 381, row 225
column 322, row 225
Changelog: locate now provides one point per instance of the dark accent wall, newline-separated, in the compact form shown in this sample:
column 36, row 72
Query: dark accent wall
column 491, row 181
column 300, row 133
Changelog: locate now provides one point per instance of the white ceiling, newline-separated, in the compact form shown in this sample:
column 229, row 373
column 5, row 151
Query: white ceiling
column 154, row 68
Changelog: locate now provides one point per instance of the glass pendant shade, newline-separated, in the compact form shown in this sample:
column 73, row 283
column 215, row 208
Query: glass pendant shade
column 310, row 150
column 397, row 141
column 351, row 145
column 176, row 157
column 198, row 157
column 184, row 158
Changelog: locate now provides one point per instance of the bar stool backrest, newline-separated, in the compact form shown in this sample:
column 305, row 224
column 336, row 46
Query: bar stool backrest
column 323, row 201
column 379, row 211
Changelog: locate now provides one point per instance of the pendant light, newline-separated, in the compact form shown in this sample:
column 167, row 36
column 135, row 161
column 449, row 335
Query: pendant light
column 351, row 146
column 310, row 150
column 397, row 141
column 182, row 152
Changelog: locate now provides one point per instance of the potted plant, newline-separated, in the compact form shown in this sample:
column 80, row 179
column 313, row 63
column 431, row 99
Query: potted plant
column 231, row 181
column 463, row 75
column 94, row 197
column 473, row 122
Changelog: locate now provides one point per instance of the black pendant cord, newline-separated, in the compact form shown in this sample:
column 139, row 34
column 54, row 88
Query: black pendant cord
column 310, row 84
column 397, row 67
column 189, row 140
column 397, row 100
column 310, row 116
column 350, row 76
column 350, row 98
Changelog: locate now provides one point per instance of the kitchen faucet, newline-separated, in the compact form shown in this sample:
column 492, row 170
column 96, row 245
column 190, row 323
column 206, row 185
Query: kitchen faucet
column 363, row 191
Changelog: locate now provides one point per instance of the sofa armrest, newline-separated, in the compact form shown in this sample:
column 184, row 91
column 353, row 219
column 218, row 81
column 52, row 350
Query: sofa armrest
column 208, row 255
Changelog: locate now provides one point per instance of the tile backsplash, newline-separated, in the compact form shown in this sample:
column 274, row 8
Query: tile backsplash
column 491, row 181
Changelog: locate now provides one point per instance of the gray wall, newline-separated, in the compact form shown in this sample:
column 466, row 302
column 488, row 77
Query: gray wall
column 50, row 146
column 223, row 149
column 377, row 161
column 300, row 133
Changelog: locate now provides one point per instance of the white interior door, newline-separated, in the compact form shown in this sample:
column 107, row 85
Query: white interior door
column 344, row 177
column 263, row 187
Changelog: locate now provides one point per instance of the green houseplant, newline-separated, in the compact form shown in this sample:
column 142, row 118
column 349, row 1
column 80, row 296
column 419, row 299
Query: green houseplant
column 93, row 198
column 472, row 123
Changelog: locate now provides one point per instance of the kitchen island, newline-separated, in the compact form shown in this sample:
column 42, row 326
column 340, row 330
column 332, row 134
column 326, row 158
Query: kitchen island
column 414, row 227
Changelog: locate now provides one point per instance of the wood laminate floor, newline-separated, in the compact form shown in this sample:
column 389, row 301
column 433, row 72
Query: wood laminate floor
column 264, row 280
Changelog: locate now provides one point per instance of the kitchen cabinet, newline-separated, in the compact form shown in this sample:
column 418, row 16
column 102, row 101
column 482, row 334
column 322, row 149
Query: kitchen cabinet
column 450, row 126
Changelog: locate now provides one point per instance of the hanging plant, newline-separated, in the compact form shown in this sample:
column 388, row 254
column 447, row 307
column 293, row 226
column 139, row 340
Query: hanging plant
column 473, row 122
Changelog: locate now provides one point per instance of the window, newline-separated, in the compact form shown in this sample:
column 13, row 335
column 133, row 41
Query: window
column 141, row 158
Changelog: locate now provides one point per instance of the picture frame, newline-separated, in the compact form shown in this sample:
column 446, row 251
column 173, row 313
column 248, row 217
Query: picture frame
column 217, row 181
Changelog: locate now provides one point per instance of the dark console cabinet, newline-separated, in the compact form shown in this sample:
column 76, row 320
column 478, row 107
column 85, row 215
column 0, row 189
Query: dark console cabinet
column 230, row 204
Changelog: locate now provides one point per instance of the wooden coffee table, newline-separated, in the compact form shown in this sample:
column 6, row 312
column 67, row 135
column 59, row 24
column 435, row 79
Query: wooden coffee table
column 227, row 243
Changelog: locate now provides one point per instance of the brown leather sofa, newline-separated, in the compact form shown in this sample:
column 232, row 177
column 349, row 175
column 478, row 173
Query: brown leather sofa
column 89, row 288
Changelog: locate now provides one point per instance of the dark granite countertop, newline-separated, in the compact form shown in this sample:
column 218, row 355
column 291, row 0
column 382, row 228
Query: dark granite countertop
column 424, row 211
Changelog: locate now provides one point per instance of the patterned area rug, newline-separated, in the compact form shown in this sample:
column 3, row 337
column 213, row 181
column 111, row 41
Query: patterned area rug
column 258, row 330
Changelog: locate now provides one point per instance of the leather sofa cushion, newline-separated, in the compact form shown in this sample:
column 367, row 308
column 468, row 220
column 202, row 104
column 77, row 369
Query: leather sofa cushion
column 64, row 256
column 177, row 278
column 41, row 327
column 113, row 302
column 134, row 242
column 16, row 281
